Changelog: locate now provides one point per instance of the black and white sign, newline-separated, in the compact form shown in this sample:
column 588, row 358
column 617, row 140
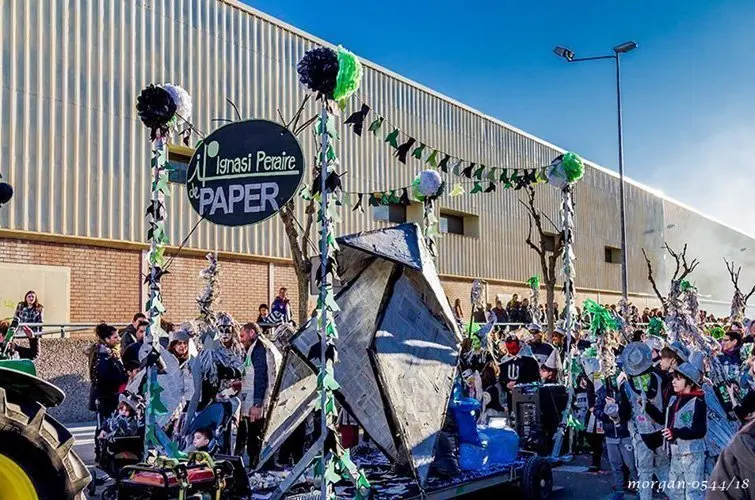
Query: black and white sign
column 244, row 172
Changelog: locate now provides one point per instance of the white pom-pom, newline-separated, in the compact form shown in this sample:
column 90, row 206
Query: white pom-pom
column 429, row 183
column 182, row 100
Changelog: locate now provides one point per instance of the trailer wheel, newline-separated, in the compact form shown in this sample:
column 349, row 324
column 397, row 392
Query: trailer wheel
column 35, row 453
column 537, row 479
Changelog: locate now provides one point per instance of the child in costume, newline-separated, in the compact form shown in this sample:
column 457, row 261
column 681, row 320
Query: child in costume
column 644, row 390
column 686, row 426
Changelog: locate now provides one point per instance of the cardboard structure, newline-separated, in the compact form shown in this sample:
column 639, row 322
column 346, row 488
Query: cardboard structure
column 397, row 350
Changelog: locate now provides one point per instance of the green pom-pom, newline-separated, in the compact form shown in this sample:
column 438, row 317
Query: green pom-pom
column 717, row 332
column 686, row 286
column 657, row 327
column 573, row 166
column 534, row 282
column 349, row 75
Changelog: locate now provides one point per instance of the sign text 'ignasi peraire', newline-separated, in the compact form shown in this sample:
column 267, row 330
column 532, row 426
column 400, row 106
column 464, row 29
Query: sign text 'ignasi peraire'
column 244, row 172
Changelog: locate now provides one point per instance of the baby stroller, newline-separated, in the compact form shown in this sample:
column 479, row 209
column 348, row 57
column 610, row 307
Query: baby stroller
column 218, row 417
column 118, row 451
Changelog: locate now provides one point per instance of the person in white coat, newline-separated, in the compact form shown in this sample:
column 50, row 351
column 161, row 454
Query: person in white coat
column 261, row 367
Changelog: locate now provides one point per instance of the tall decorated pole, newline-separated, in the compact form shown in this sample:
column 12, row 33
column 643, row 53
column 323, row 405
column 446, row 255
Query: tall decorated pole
column 333, row 76
column 161, row 108
column 564, row 171
column 534, row 285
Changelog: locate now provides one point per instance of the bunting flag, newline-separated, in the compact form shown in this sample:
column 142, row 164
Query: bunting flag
column 435, row 158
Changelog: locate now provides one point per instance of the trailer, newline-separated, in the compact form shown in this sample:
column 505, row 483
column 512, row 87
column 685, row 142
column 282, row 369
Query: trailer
column 531, row 473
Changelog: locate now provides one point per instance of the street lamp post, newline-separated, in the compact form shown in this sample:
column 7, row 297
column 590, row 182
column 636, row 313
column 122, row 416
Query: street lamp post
column 617, row 51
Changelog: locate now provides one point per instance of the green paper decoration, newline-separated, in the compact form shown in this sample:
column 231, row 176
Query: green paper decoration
column 534, row 282
column 657, row 327
column 376, row 124
column 349, row 75
column 493, row 175
column 417, row 153
column 717, row 332
column 392, row 138
column 476, row 189
column 479, row 171
column 573, row 167
column 601, row 319
column 432, row 160
column 685, row 286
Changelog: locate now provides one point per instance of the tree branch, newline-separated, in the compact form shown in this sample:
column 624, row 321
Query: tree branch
column 733, row 275
column 652, row 279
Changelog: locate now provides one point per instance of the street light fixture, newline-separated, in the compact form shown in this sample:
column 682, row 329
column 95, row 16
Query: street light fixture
column 565, row 53
column 617, row 51
column 625, row 47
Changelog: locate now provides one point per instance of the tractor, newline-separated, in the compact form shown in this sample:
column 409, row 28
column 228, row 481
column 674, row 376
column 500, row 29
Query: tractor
column 37, row 460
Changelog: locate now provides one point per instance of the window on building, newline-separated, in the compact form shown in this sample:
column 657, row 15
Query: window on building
column 179, row 158
column 613, row 255
column 452, row 224
column 390, row 213
column 549, row 242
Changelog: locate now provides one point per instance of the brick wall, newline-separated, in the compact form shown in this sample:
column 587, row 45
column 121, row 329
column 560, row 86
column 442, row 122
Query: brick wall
column 106, row 282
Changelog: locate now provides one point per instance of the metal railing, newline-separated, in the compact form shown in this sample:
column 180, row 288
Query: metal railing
column 64, row 329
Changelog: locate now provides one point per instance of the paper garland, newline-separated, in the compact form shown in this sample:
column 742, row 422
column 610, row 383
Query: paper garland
column 569, row 165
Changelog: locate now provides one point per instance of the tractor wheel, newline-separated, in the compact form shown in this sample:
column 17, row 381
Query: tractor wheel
column 36, row 456
column 537, row 479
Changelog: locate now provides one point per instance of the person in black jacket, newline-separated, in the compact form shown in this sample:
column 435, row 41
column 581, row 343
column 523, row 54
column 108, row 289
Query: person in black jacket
column 134, row 332
column 613, row 409
column 106, row 373
column 516, row 368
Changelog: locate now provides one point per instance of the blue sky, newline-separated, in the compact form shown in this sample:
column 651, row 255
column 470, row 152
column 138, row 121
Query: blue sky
column 688, row 90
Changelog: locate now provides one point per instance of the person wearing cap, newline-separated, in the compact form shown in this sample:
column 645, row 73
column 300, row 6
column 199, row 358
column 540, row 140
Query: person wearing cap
column 686, row 426
column 644, row 390
column 549, row 372
column 516, row 368
column 656, row 345
column 541, row 350
column 613, row 409
column 178, row 346
column 673, row 354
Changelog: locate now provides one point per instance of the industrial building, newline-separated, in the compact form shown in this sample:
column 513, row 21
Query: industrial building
column 78, row 158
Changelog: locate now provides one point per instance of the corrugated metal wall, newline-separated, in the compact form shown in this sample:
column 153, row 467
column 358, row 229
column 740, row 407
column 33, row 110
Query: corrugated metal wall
column 79, row 157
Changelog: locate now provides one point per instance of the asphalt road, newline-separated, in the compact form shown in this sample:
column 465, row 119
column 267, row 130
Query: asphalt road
column 571, row 481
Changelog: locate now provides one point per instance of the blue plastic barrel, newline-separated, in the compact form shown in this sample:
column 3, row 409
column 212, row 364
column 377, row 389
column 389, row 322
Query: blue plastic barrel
column 472, row 457
column 464, row 413
column 503, row 445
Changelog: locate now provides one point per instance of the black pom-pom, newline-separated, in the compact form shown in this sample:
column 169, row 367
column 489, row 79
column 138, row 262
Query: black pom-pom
column 156, row 108
column 6, row 193
column 318, row 71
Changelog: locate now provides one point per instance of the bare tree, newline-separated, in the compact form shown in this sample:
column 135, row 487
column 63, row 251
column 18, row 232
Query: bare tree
column 548, row 259
column 739, row 300
column 299, row 236
column 682, row 269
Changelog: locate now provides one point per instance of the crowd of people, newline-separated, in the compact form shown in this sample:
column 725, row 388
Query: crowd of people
column 245, row 370
column 654, row 416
